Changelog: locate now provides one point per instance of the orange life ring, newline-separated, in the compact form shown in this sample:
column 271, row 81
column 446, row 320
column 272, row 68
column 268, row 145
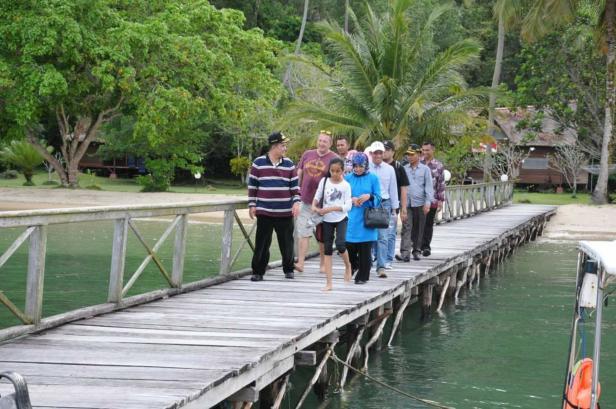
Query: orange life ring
column 579, row 390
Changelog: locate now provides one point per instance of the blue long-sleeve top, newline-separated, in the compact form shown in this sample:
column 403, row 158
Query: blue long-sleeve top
column 368, row 183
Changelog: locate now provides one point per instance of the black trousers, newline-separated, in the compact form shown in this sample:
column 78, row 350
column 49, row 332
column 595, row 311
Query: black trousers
column 360, row 256
column 284, row 232
column 417, row 229
column 428, row 229
column 340, row 229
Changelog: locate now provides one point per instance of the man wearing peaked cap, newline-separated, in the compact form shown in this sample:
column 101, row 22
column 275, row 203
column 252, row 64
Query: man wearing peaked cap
column 273, row 198
column 419, row 198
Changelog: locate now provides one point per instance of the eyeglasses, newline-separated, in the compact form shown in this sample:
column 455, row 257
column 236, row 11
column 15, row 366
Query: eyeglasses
column 326, row 132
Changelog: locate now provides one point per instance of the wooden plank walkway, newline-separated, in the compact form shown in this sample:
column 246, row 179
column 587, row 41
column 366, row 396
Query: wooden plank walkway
column 196, row 349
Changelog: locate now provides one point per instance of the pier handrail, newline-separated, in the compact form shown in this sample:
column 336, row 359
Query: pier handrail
column 461, row 201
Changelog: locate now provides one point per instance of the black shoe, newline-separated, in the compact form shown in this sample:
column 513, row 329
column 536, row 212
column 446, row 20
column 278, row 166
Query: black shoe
column 289, row 275
column 405, row 259
column 256, row 277
column 416, row 255
column 360, row 282
column 426, row 252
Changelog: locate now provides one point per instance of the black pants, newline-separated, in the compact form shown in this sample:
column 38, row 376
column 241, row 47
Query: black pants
column 360, row 255
column 428, row 229
column 284, row 232
column 328, row 236
column 417, row 229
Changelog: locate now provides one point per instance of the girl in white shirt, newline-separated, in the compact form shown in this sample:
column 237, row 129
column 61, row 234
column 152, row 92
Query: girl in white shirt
column 336, row 194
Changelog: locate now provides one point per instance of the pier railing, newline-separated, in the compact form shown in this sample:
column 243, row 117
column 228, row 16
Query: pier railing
column 462, row 201
column 466, row 200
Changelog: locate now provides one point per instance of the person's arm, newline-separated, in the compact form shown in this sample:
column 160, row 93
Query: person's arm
column 253, row 187
column 429, row 190
column 393, row 190
column 317, row 197
column 295, row 192
column 348, row 202
column 440, row 189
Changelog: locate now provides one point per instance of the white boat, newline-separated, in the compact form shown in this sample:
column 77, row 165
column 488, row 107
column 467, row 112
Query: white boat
column 596, row 270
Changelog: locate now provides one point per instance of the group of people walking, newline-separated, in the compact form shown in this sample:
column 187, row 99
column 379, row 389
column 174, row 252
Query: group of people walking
column 328, row 193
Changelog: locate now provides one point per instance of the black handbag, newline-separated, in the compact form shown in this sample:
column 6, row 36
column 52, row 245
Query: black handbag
column 377, row 217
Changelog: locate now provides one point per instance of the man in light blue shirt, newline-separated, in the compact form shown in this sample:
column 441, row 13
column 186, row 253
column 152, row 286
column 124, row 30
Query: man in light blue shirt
column 420, row 196
column 389, row 199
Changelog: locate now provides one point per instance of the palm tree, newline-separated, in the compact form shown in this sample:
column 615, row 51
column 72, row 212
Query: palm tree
column 506, row 13
column 544, row 16
column 23, row 155
column 287, row 75
column 391, row 83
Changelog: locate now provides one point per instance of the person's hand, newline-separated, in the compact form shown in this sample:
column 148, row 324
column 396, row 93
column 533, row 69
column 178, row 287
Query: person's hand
column 295, row 209
column 426, row 209
column 403, row 215
column 322, row 212
column 252, row 212
column 363, row 198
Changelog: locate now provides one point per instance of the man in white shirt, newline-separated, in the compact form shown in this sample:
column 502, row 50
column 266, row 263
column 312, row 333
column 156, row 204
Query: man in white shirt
column 389, row 199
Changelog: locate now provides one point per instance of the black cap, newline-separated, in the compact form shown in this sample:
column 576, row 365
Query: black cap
column 414, row 148
column 389, row 145
column 277, row 137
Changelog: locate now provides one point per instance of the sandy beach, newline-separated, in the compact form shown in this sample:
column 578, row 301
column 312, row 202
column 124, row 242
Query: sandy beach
column 572, row 222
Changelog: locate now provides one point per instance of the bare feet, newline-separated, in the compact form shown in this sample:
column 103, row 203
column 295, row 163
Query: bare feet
column 327, row 288
column 299, row 268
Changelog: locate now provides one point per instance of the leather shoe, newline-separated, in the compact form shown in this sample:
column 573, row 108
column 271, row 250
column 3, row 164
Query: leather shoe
column 256, row 277
column 416, row 256
column 426, row 253
column 289, row 275
column 405, row 259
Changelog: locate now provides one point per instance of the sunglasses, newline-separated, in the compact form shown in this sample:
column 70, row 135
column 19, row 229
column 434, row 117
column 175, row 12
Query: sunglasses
column 326, row 132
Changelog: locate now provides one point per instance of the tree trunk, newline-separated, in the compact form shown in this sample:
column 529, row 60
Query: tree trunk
column 346, row 16
column 287, row 75
column 495, row 81
column 599, row 195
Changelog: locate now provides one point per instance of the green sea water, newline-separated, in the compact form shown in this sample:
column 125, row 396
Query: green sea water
column 502, row 345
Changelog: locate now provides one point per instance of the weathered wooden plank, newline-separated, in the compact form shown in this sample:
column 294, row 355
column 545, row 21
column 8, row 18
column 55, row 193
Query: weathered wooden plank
column 36, row 273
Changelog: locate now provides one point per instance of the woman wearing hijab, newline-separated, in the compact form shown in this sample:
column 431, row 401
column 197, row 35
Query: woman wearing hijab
column 365, row 192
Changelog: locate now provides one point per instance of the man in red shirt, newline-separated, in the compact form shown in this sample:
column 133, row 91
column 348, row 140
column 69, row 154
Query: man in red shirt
column 311, row 168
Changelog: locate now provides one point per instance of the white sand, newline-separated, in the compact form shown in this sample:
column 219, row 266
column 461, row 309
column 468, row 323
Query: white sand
column 572, row 222
column 583, row 222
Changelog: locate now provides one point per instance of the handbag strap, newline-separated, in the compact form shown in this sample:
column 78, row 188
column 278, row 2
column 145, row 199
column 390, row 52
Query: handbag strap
column 323, row 193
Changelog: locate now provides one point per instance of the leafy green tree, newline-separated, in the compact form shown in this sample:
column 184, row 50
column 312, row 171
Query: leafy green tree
column 545, row 16
column 393, row 79
column 23, row 156
column 177, row 68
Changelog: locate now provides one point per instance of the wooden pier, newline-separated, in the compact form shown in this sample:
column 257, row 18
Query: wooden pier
column 238, row 341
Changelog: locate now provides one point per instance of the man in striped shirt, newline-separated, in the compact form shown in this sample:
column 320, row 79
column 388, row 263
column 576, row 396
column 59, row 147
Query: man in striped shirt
column 273, row 198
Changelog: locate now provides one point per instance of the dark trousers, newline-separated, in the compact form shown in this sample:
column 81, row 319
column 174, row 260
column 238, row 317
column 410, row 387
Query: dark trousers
column 284, row 232
column 340, row 229
column 412, row 231
column 428, row 229
column 360, row 255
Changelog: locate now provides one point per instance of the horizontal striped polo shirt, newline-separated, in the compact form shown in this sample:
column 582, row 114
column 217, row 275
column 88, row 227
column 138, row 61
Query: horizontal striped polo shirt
column 273, row 189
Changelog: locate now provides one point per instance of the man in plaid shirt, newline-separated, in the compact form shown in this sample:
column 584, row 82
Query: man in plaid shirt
column 438, row 182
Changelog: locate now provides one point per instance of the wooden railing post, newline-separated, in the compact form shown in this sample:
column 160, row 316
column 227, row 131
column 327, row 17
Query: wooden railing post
column 118, row 259
column 179, row 251
column 36, row 274
column 227, row 242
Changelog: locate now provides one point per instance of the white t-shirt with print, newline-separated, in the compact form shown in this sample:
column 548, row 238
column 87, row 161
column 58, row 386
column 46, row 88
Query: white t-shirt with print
column 336, row 194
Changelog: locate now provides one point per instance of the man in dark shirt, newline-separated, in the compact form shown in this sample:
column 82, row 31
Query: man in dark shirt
column 402, row 182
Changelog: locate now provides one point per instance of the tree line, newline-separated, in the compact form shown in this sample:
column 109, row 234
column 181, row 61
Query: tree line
column 191, row 84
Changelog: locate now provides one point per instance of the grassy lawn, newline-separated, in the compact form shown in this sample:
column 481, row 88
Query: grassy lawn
column 227, row 187
column 522, row 196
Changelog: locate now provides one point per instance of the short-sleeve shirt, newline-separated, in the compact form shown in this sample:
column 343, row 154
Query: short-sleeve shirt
column 314, row 168
column 401, row 177
column 336, row 194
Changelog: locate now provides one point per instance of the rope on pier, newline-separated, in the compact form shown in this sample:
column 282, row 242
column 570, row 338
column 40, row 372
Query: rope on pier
column 408, row 395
